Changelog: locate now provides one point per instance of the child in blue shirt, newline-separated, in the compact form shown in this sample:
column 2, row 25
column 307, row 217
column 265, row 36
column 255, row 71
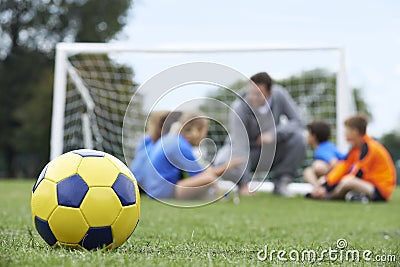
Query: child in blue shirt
column 143, row 148
column 159, row 123
column 326, row 154
column 172, row 170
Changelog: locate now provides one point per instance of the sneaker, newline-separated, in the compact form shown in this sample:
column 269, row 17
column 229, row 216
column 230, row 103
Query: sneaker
column 308, row 195
column 352, row 196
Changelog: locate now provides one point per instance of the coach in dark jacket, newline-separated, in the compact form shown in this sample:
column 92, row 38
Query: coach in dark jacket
column 273, row 134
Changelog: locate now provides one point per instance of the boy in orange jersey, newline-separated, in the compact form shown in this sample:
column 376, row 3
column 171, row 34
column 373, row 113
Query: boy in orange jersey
column 367, row 171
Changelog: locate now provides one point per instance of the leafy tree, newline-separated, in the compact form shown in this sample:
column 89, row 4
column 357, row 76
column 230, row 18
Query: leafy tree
column 315, row 93
column 29, row 31
column 391, row 141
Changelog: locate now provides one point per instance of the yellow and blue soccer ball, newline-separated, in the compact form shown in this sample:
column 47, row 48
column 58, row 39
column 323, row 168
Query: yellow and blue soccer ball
column 85, row 199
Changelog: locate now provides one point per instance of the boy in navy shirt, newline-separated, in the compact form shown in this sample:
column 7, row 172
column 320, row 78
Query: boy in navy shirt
column 326, row 153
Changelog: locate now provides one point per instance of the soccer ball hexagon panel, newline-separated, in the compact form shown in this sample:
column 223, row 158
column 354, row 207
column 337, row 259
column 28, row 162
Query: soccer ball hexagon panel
column 85, row 198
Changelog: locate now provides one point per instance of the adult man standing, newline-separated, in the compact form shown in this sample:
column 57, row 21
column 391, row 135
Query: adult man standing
column 272, row 124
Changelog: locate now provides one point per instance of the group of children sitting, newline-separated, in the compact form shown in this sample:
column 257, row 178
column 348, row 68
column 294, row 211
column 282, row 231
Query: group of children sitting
column 366, row 173
column 165, row 165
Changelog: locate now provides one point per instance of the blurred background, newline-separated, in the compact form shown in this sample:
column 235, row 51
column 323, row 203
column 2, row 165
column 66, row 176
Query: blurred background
column 30, row 29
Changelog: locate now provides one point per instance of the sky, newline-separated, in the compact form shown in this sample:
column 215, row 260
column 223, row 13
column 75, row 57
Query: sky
column 369, row 32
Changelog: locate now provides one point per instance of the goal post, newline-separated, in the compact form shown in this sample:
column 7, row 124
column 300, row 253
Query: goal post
column 91, row 91
column 345, row 102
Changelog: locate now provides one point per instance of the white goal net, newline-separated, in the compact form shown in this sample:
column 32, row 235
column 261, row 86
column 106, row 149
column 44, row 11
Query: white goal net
column 94, row 84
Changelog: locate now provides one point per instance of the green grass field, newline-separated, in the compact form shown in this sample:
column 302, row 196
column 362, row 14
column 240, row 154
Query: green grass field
column 219, row 234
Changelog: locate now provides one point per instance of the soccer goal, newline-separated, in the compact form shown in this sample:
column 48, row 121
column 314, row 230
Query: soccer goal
column 94, row 84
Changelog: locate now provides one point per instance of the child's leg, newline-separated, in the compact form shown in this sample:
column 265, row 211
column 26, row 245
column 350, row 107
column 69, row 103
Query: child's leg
column 321, row 168
column 310, row 177
column 192, row 193
column 318, row 169
column 352, row 183
column 195, row 187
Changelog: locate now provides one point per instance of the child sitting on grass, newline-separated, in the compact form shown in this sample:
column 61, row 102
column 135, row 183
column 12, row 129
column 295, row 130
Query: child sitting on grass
column 173, row 170
column 326, row 154
column 153, row 133
column 367, row 172
column 159, row 123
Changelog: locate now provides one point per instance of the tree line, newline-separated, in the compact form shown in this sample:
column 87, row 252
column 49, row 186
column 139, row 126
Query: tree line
column 29, row 31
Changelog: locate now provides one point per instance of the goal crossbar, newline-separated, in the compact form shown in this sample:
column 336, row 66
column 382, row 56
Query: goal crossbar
column 93, row 48
column 64, row 50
